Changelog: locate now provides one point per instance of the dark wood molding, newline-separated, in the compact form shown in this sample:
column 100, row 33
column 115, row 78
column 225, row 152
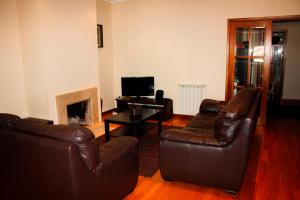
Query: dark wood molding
column 227, row 87
column 108, row 111
column 180, row 115
column 273, row 18
column 266, row 73
column 290, row 102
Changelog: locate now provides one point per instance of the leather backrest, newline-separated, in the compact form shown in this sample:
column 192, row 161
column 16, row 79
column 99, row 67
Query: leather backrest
column 82, row 137
column 243, row 100
column 7, row 119
column 67, row 133
column 230, row 116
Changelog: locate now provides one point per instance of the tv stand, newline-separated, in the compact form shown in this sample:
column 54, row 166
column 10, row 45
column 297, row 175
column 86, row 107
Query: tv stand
column 166, row 105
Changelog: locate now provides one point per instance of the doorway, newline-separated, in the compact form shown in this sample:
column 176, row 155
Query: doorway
column 284, row 86
column 249, row 58
column 278, row 58
column 242, row 34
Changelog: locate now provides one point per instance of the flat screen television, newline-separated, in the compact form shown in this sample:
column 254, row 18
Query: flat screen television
column 137, row 86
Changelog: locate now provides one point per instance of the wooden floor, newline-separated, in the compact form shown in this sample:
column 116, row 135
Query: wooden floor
column 273, row 169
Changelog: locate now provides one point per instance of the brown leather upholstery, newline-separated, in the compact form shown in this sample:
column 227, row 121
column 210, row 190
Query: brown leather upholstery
column 229, row 118
column 6, row 120
column 211, row 105
column 39, row 161
column 213, row 149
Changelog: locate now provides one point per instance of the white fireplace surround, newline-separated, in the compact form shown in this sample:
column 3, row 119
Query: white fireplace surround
column 63, row 100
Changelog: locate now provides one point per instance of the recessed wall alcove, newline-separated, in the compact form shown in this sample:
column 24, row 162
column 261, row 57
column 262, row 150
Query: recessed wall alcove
column 64, row 100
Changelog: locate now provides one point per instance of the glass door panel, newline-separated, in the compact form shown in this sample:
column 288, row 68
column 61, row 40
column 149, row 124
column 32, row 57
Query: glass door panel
column 256, row 72
column 242, row 42
column 241, row 72
column 258, row 41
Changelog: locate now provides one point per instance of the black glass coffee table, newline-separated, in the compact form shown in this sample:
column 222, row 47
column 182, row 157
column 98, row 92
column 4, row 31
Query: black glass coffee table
column 124, row 118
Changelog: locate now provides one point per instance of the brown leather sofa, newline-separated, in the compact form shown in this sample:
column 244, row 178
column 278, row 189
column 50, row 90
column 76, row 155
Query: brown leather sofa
column 40, row 161
column 213, row 148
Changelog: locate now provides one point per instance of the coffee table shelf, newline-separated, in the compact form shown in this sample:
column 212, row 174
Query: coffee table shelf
column 124, row 118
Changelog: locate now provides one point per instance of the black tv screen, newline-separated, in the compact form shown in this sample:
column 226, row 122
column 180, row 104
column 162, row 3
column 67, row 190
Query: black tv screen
column 137, row 86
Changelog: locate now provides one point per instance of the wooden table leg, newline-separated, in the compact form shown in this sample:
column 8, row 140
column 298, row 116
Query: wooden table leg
column 134, row 129
column 107, row 135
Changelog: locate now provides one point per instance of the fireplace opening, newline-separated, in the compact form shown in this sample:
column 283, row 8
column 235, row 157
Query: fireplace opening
column 79, row 113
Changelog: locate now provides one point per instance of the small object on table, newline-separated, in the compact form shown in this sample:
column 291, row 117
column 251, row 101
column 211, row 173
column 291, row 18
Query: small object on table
column 135, row 110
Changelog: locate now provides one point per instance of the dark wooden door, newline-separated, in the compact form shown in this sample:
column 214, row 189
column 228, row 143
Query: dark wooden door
column 249, row 56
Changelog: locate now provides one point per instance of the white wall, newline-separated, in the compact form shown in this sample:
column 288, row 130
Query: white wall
column 59, row 46
column 71, row 56
column 11, row 73
column 106, row 56
column 180, row 41
column 31, row 40
column 177, row 41
column 291, row 85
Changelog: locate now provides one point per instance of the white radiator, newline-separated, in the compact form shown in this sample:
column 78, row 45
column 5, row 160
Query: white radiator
column 191, row 95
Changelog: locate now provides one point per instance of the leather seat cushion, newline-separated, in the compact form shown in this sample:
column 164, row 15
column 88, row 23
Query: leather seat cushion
column 202, row 122
column 192, row 137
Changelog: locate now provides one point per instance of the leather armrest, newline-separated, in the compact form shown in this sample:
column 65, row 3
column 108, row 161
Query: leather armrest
column 115, row 149
column 6, row 120
column 210, row 105
column 119, row 167
column 182, row 136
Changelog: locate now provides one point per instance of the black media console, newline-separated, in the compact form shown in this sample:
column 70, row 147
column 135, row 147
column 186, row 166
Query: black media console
column 166, row 105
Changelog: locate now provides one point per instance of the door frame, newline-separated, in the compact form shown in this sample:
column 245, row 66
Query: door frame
column 271, row 19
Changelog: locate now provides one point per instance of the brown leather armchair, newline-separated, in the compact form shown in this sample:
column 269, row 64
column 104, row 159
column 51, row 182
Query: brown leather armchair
column 39, row 161
column 213, row 148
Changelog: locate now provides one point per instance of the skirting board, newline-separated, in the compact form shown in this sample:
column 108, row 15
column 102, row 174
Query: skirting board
column 290, row 102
